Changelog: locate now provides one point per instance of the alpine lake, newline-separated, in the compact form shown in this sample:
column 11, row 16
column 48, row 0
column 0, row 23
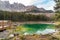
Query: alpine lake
column 35, row 29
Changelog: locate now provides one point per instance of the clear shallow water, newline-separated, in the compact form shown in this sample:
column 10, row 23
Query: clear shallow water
column 37, row 28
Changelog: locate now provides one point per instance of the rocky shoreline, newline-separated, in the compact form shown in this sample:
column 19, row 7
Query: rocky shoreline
column 51, row 36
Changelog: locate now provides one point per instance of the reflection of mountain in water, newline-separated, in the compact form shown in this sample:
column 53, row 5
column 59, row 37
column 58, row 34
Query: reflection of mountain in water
column 5, row 5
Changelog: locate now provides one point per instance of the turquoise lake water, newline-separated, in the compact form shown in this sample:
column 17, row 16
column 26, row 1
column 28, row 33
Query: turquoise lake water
column 38, row 28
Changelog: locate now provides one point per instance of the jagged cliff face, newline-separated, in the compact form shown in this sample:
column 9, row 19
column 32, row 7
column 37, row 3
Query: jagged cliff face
column 10, row 7
column 5, row 5
column 31, row 7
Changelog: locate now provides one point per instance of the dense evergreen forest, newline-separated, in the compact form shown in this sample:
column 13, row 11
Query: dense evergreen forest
column 22, row 16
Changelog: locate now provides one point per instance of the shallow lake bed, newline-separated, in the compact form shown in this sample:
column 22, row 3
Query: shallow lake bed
column 36, row 29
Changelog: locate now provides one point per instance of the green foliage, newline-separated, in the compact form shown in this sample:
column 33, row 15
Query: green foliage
column 57, row 7
column 57, row 16
column 21, row 16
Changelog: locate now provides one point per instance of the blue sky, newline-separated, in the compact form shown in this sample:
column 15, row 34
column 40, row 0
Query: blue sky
column 46, row 4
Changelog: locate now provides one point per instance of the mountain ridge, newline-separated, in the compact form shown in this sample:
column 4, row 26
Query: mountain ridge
column 18, row 7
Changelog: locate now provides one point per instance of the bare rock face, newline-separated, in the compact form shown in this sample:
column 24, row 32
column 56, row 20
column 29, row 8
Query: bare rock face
column 5, row 5
column 18, row 7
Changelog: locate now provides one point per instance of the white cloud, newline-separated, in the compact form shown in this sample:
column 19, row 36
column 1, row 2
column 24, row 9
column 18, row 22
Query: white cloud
column 49, row 6
column 25, row 2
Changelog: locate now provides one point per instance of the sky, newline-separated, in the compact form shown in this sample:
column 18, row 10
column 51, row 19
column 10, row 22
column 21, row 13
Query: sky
column 46, row 4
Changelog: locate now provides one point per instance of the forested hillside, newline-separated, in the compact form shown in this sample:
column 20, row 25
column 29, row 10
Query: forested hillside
column 22, row 16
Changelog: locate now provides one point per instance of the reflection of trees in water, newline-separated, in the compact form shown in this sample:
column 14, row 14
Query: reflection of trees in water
column 38, row 26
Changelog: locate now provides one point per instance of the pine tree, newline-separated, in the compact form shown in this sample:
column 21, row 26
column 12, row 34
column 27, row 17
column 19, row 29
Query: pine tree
column 57, row 8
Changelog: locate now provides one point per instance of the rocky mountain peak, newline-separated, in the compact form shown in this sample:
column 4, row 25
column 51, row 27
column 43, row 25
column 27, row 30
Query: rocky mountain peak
column 5, row 5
